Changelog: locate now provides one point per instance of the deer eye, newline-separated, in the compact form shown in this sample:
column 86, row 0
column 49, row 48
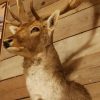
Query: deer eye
column 35, row 29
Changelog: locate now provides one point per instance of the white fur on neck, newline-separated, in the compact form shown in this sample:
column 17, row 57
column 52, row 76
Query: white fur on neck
column 41, row 84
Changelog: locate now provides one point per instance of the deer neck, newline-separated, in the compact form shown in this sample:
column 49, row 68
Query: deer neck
column 48, row 60
column 44, row 72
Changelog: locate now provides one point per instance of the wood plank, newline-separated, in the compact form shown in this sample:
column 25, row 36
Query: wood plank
column 11, row 67
column 5, row 54
column 79, row 45
column 88, row 75
column 69, row 49
column 38, row 4
column 15, row 94
column 9, row 90
column 70, row 25
column 94, row 90
column 14, row 86
column 83, row 6
column 25, row 99
column 11, row 84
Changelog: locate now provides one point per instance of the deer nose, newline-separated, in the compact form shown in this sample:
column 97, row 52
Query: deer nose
column 7, row 43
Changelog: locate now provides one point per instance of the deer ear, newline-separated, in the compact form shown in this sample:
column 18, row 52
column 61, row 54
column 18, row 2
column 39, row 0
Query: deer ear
column 52, row 20
column 13, row 29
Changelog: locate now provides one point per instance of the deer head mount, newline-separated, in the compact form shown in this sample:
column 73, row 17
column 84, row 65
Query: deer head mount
column 30, row 35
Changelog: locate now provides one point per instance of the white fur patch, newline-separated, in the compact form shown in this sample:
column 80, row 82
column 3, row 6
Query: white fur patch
column 41, row 84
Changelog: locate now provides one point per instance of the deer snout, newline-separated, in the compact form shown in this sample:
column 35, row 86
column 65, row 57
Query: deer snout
column 7, row 43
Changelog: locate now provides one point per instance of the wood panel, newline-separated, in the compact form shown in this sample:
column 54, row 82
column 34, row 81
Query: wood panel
column 25, row 99
column 16, row 86
column 5, row 54
column 94, row 90
column 68, row 49
column 11, row 67
column 10, row 90
column 79, row 45
column 89, row 75
column 38, row 3
column 70, row 25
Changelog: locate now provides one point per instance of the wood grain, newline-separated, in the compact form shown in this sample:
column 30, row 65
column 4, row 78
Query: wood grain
column 11, row 67
column 94, row 90
column 38, row 3
column 13, row 89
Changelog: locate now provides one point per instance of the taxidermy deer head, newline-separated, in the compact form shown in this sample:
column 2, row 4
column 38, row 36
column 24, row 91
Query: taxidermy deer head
column 28, row 31
column 30, row 35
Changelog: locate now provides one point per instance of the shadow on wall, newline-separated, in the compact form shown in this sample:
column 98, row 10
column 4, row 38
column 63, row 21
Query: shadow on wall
column 71, row 65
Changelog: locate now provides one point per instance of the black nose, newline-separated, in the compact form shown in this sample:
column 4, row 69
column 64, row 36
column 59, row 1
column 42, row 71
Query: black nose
column 7, row 43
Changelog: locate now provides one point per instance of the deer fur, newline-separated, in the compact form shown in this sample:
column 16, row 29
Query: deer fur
column 45, row 78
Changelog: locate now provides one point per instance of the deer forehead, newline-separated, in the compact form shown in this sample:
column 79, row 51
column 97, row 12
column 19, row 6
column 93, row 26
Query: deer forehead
column 29, row 26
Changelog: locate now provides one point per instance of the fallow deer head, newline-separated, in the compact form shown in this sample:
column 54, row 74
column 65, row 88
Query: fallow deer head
column 30, row 36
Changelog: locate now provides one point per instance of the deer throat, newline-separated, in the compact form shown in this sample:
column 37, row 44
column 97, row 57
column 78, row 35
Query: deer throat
column 43, row 75
column 39, row 80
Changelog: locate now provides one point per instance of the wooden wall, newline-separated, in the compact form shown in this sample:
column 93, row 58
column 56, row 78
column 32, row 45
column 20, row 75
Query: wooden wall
column 77, row 41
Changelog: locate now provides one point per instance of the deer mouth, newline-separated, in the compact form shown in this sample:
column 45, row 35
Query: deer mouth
column 15, row 49
column 8, row 45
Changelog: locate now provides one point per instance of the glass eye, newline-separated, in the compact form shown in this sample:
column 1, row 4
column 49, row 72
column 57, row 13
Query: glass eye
column 35, row 29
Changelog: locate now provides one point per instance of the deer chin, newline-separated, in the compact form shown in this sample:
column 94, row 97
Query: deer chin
column 15, row 49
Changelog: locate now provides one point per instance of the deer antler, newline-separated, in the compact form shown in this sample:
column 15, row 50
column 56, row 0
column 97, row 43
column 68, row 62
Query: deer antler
column 11, row 23
column 33, row 11
column 13, row 15
column 23, row 17
column 21, row 11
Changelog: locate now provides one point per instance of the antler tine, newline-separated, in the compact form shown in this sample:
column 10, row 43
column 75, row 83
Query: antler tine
column 13, row 15
column 33, row 11
column 23, row 15
column 9, row 22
